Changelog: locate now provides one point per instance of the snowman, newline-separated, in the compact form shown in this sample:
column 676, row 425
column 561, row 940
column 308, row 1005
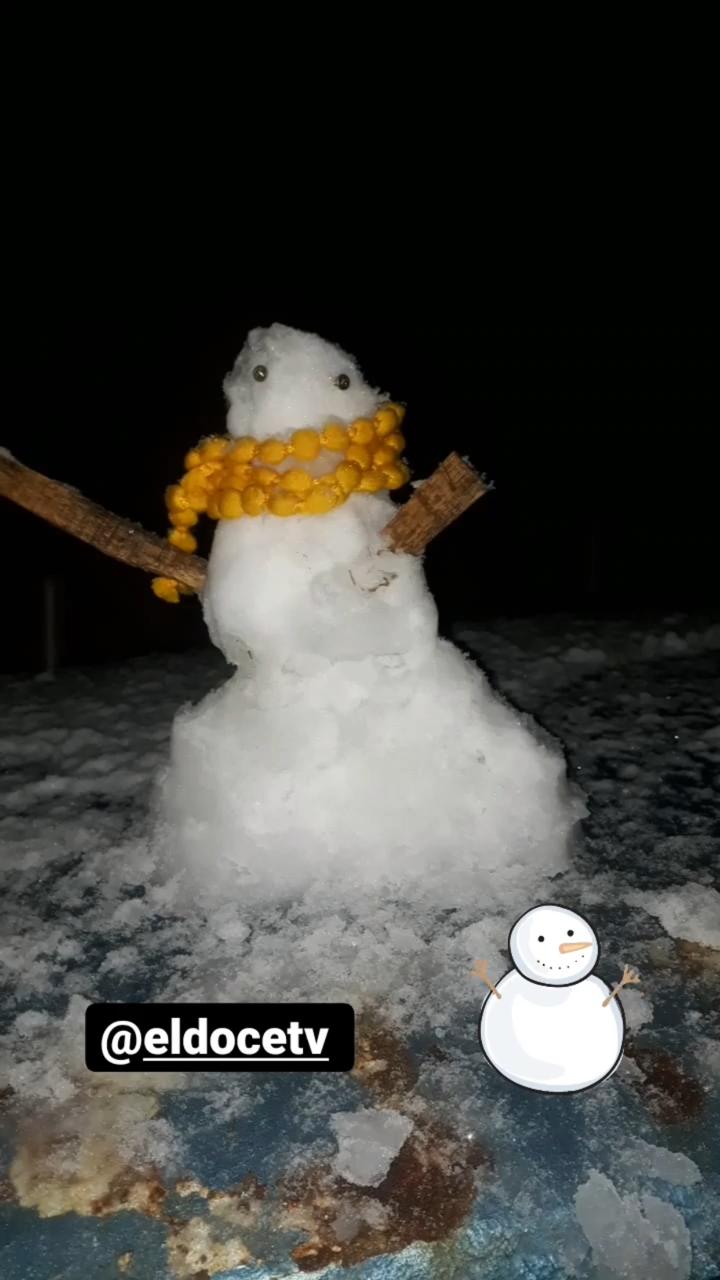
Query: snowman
column 352, row 742
column 550, row 1024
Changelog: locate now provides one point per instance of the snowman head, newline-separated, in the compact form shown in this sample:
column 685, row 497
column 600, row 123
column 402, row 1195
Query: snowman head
column 284, row 380
column 553, row 946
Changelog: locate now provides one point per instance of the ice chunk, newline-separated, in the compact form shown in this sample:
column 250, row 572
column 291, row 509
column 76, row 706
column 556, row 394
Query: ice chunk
column 636, row 1238
column 368, row 1142
column 690, row 911
column 658, row 1162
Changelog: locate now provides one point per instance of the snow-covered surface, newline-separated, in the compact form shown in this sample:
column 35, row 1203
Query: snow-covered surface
column 565, row 1186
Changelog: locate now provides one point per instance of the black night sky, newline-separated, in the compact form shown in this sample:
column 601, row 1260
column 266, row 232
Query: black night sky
column 597, row 433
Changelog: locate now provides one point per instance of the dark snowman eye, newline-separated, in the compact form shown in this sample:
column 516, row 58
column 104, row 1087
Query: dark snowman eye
column 570, row 933
column 541, row 938
column 342, row 381
column 260, row 372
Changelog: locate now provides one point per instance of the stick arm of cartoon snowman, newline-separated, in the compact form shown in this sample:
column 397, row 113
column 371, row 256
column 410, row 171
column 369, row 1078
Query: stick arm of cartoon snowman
column 480, row 970
column 630, row 975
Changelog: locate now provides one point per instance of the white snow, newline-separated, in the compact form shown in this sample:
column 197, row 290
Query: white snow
column 689, row 911
column 299, row 388
column 634, row 1237
column 638, row 1008
column 368, row 1142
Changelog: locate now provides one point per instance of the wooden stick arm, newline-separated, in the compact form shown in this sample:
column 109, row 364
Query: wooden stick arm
column 453, row 487
column 439, row 500
column 67, row 509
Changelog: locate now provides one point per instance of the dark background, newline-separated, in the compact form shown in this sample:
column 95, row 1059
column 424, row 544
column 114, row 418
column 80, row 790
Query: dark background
column 599, row 435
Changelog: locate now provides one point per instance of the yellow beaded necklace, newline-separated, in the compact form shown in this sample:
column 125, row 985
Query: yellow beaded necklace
column 226, row 479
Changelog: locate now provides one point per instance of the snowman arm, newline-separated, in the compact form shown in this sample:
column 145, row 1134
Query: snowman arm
column 480, row 970
column 630, row 975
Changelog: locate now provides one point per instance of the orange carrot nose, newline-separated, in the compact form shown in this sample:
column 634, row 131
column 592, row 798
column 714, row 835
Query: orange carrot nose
column 565, row 947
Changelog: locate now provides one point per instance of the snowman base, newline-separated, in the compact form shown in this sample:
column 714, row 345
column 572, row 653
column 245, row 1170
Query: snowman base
column 355, row 747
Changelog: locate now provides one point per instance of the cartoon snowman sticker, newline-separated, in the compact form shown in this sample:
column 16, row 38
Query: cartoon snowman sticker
column 550, row 1024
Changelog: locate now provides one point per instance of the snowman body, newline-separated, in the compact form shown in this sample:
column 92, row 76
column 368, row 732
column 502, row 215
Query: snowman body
column 298, row 594
column 552, row 1039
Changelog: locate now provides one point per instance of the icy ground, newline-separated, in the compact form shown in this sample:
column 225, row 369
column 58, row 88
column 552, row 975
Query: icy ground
column 424, row 1163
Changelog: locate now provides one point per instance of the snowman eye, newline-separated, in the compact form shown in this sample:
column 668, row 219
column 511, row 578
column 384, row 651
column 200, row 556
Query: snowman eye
column 342, row 381
column 541, row 938
column 570, row 933
column 260, row 372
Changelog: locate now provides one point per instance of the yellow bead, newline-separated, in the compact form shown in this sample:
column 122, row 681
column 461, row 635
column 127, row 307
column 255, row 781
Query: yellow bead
column 396, row 475
column 335, row 437
column 244, row 449
column 359, row 453
column 197, row 499
column 386, row 420
column 272, row 452
column 399, row 412
column 213, row 449
column 230, row 504
column 166, row 589
column 283, row 504
column 396, row 441
column 182, row 539
column 321, row 500
column 383, row 456
column 238, row 476
column 192, row 481
column 264, row 477
column 183, row 519
column 296, row 481
column 208, row 471
column 213, row 506
column 192, row 459
column 175, row 499
column 253, row 500
column 372, row 481
column 348, row 476
column 305, row 444
column 362, row 431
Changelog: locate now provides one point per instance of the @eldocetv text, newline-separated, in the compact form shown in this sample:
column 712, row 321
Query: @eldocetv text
column 219, row 1037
